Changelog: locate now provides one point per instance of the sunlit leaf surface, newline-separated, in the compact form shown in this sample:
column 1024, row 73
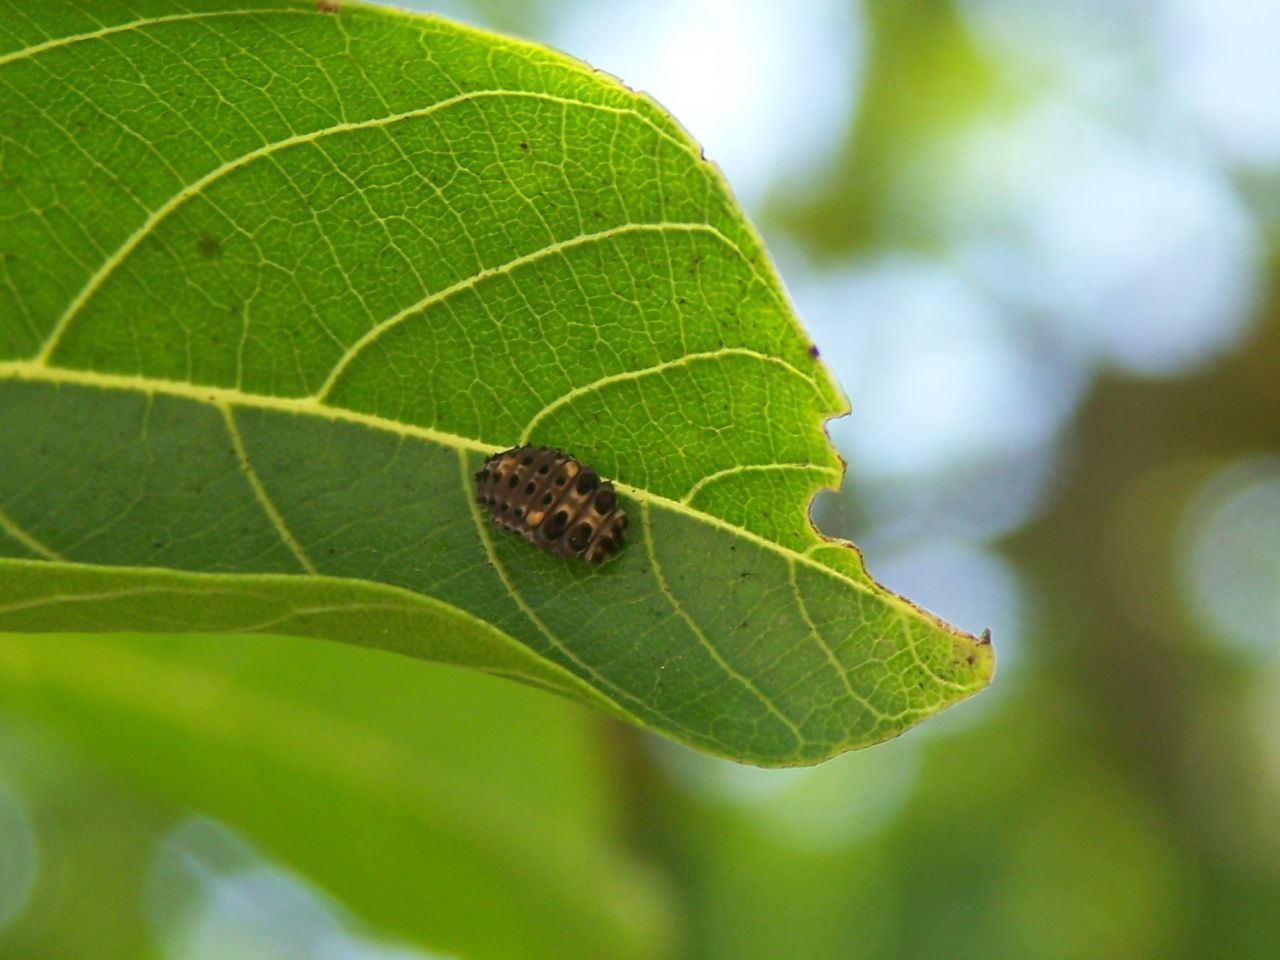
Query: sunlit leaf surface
column 273, row 282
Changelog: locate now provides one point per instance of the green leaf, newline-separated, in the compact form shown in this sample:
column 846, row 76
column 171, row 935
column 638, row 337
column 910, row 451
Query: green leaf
column 472, row 818
column 274, row 281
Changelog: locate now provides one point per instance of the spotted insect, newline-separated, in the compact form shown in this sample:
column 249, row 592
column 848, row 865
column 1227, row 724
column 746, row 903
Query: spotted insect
column 552, row 500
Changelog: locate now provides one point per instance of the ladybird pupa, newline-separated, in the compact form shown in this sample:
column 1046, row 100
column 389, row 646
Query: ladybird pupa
column 554, row 501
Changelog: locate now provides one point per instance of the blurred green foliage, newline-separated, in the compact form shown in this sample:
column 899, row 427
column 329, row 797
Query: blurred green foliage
column 437, row 804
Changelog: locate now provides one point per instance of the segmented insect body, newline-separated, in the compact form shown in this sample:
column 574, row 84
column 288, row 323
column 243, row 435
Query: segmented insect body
column 552, row 500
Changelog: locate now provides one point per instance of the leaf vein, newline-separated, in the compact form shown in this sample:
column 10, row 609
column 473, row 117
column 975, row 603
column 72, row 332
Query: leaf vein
column 468, row 283
column 685, row 360
column 197, row 186
column 139, row 24
column 766, row 701
column 51, row 600
column 825, row 647
column 8, row 525
column 909, row 634
column 268, row 505
column 27, row 370
column 827, row 472
column 500, row 569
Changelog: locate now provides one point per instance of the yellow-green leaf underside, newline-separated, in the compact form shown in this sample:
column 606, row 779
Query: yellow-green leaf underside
column 274, row 281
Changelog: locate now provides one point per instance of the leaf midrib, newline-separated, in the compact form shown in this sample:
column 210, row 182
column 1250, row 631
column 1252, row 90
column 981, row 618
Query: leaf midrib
column 225, row 399
column 307, row 406
column 222, row 398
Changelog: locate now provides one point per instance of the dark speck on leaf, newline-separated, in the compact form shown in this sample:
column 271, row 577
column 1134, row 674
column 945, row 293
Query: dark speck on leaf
column 813, row 351
column 524, row 144
column 210, row 246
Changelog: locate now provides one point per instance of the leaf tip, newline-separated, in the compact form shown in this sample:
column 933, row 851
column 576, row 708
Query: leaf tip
column 979, row 659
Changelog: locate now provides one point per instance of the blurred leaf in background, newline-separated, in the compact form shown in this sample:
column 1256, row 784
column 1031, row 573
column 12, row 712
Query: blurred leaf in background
column 1038, row 243
column 435, row 804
